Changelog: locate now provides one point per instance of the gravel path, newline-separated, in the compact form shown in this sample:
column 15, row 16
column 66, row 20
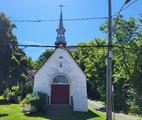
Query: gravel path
column 118, row 116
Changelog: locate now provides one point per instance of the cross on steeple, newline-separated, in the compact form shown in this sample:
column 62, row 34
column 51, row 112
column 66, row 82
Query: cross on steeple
column 61, row 6
column 60, row 39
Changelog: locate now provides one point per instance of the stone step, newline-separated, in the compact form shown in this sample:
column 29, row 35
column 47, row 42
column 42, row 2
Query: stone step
column 59, row 110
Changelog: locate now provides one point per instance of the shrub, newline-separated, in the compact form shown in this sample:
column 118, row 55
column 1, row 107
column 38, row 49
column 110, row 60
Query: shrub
column 15, row 91
column 42, row 101
column 32, row 99
column 26, row 89
column 6, row 93
column 134, row 102
column 36, row 99
column 12, row 95
column 15, row 94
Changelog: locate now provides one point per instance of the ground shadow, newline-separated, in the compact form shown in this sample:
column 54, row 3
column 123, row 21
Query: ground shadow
column 102, row 109
column 3, row 115
column 3, row 102
column 73, row 116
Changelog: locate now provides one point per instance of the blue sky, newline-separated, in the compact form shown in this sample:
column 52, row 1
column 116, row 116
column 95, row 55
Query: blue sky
column 45, row 32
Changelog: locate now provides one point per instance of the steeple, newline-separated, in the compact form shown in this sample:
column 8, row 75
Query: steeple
column 60, row 39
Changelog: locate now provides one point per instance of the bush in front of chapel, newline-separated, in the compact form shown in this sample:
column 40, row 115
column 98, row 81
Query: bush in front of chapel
column 34, row 102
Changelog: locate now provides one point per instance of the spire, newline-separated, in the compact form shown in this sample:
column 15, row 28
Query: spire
column 60, row 39
column 61, row 20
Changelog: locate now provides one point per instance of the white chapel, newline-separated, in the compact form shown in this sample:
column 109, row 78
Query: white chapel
column 61, row 77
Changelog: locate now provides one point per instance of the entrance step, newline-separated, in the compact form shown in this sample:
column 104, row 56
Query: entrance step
column 59, row 110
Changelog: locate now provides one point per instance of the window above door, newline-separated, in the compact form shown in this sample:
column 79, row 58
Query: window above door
column 60, row 79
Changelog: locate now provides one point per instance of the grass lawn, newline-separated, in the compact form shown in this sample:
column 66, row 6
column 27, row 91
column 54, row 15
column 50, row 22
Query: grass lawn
column 13, row 112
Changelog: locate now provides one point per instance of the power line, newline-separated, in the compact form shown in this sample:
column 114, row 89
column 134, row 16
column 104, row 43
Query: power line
column 51, row 46
column 124, row 7
column 67, row 19
column 75, row 46
column 129, row 5
column 76, row 19
column 118, row 14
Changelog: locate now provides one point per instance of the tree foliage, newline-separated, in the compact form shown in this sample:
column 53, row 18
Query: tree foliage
column 44, row 56
column 13, row 61
column 127, row 65
column 93, row 63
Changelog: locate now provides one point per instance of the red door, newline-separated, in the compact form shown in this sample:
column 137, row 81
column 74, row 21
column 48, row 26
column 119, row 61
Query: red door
column 60, row 94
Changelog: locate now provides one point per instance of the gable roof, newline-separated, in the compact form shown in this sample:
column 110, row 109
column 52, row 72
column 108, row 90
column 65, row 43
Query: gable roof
column 75, row 61
column 50, row 57
column 44, row 62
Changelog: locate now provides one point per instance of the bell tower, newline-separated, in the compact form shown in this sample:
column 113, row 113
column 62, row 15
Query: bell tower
column 60, row 39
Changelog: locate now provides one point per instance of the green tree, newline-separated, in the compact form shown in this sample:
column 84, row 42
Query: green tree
column 92, row 61
column 135, row 93
column 6, row 39
column 44, row 56
column 13, row 61
column 125, row 36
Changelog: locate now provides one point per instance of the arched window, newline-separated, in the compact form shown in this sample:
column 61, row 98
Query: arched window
column 60, row 79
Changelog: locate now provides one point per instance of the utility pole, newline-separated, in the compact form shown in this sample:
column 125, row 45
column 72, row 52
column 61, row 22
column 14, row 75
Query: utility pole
column 109, row 66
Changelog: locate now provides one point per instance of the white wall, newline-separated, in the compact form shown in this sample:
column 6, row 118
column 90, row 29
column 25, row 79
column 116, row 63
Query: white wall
column 43, row 78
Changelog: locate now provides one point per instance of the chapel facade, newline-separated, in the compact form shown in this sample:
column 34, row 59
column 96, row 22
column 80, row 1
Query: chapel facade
column 61, row 77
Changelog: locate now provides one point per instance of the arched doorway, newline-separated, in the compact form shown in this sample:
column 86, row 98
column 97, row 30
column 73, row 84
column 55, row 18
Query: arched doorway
column 60, row 90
